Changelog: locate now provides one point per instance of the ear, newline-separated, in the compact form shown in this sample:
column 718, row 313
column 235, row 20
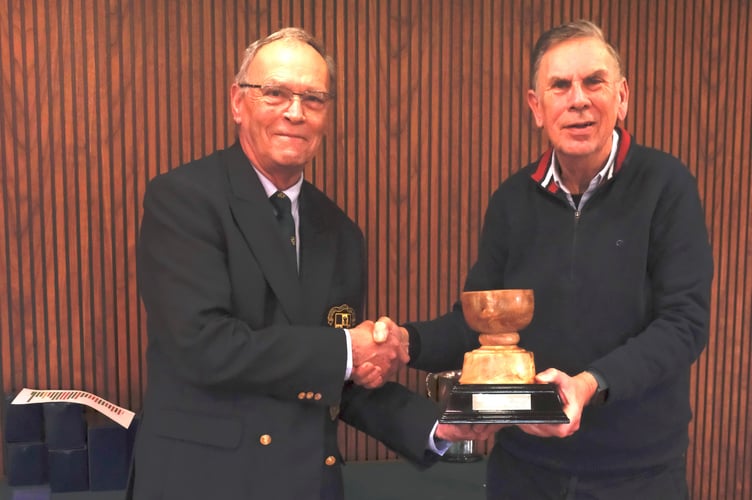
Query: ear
column 623, row 92
column 236, row 100
column 535, row 107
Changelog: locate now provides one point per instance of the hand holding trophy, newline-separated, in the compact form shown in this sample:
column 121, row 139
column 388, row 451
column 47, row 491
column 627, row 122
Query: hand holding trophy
column 497, row 382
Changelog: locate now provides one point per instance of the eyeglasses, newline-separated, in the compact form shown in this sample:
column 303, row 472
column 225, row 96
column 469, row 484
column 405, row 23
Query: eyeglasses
column 278, row 95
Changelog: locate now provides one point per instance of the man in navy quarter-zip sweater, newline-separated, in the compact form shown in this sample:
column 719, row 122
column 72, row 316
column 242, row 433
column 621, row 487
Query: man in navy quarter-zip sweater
column 611, row 237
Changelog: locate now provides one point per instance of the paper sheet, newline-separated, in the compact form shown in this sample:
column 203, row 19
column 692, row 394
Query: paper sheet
column 31, row 396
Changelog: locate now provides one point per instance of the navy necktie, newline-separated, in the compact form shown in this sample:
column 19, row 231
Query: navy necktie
column 283, row 213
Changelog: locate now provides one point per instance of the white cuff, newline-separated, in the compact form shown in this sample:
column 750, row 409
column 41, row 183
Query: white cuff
column 437, row 445
column 349, row 367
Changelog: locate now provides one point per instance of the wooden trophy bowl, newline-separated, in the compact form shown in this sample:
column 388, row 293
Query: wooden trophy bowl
column 498, row 311
column 498, row 315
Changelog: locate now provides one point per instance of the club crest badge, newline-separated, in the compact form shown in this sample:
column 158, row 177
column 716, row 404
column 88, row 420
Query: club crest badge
column 341, row 316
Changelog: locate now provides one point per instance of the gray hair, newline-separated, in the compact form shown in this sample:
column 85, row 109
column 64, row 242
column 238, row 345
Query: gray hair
column 562, row 33
column 287, row 34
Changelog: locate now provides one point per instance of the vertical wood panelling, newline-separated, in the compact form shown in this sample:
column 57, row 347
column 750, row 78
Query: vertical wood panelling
column 97, row 97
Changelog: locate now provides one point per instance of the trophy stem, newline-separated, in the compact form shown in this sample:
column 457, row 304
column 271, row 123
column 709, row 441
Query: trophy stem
column 499, row 339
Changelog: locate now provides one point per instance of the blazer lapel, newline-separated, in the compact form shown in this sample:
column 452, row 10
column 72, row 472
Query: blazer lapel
column 255, row 218
column 318, row 250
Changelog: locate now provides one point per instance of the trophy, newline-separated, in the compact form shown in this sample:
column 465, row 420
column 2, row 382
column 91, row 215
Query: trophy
column 497, row 384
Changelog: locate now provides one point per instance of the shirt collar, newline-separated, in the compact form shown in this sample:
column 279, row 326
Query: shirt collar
column 605, row 173
column 543, row 172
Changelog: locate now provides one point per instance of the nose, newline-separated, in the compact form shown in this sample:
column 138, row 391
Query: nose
column 578, row 96
column 294, row 111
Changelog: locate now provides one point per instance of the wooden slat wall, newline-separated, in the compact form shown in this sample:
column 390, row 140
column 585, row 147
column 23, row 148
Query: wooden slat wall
column 96, row 97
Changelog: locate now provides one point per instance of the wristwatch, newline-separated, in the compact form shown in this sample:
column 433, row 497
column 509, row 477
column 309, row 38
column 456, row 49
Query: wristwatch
column 601, row 393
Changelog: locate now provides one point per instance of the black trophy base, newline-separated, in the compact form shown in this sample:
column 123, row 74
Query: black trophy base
column 503, row 404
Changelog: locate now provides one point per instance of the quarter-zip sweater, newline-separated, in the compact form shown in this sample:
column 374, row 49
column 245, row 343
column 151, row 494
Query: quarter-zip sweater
column 621, row 286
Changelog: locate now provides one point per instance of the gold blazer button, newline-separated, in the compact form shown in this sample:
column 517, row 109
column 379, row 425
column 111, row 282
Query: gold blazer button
column 301, row 395
column 330, row 460
column 265, row 439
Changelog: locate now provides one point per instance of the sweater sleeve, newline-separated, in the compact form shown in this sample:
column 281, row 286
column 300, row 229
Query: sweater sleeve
column 679, row 274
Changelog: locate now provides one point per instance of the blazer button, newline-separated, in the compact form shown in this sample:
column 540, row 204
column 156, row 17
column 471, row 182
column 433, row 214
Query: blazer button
column 309, row 395
column 317, row 396
column 265, row 439
column 330, row 460
column 301, row 395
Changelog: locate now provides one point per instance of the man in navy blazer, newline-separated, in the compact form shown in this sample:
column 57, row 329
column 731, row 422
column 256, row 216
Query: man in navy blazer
column 253, row 353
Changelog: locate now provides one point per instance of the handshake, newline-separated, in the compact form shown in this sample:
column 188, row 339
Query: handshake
column 378, row 350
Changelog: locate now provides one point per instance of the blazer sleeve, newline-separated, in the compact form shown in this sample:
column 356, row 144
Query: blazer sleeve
column 396, row 416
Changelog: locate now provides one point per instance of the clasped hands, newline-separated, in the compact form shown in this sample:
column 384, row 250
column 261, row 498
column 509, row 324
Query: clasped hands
column 379, row 349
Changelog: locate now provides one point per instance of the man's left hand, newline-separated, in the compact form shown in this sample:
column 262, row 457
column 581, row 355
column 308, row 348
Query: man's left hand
column 575, row 393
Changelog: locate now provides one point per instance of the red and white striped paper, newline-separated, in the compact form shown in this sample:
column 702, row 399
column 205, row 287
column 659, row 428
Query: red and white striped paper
column 31, row 396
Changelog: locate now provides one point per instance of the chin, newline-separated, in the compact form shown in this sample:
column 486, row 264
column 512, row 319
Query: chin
column 575, row 150
column 293, row 158
column 296, row 162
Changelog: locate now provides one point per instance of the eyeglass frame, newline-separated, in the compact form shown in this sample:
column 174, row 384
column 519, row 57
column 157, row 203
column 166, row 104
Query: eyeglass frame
column 325, row 96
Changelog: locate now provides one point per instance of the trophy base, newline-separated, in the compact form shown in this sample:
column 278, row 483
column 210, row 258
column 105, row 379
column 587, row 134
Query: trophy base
column 503, row 404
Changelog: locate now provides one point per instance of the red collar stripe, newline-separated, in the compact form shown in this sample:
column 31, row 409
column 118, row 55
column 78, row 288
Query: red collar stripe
column 543, row 176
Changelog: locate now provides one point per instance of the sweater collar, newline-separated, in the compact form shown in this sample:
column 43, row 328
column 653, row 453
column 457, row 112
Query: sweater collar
column 544, row 171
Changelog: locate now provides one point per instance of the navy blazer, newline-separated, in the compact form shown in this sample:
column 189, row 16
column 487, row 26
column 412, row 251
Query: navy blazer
column 245, row 374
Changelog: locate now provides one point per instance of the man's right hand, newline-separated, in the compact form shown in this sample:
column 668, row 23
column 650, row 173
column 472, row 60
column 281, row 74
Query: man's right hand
column 385, row 328
column 378, row 351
